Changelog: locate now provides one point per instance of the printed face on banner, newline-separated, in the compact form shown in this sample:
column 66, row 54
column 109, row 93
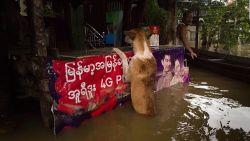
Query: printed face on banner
column 171, row 69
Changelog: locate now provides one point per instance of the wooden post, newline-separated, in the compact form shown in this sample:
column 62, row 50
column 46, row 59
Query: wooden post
column 133, row 13
column 37, row 22
column 170, row 7
column 171, row 22
column 197, row 28
column 38, row 62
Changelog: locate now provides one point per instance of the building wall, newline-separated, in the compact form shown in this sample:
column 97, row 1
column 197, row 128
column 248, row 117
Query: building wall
column 192, row 36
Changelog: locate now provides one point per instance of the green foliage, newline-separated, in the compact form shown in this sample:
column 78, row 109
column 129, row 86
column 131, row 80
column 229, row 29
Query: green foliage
column 48, row 10
column 154, row 15
column 227, row 23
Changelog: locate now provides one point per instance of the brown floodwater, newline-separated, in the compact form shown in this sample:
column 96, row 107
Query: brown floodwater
column 212, row 107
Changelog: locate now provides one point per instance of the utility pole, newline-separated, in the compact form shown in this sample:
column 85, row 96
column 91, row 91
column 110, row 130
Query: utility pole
column 197, row 31
column 197, row 25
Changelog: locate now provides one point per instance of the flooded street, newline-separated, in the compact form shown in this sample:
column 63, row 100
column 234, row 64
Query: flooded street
column 212, row 107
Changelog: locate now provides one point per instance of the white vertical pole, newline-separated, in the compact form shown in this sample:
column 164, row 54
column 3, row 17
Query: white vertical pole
column 249, row 9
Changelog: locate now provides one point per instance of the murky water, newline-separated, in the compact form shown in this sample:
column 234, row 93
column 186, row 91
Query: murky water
column 212, row 107
column 238, row 50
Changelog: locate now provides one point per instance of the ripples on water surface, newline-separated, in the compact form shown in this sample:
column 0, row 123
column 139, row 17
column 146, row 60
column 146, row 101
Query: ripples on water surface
column 212, row 107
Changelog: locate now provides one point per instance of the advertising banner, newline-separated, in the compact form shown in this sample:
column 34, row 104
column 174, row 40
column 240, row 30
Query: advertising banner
column 89, row 86
column 155, row 37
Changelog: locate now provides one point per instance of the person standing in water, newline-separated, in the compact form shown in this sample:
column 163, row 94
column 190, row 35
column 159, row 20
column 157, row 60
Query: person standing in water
column 182, row 32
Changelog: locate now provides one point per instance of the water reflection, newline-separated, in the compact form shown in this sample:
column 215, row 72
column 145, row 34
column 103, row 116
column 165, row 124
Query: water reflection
column 212, row 107
column 216, row 117
column 206, row 87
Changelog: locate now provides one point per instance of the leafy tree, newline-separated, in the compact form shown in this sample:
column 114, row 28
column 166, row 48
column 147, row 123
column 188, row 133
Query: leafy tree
column 154, row 15
column 213, row 15
column 226, row 24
